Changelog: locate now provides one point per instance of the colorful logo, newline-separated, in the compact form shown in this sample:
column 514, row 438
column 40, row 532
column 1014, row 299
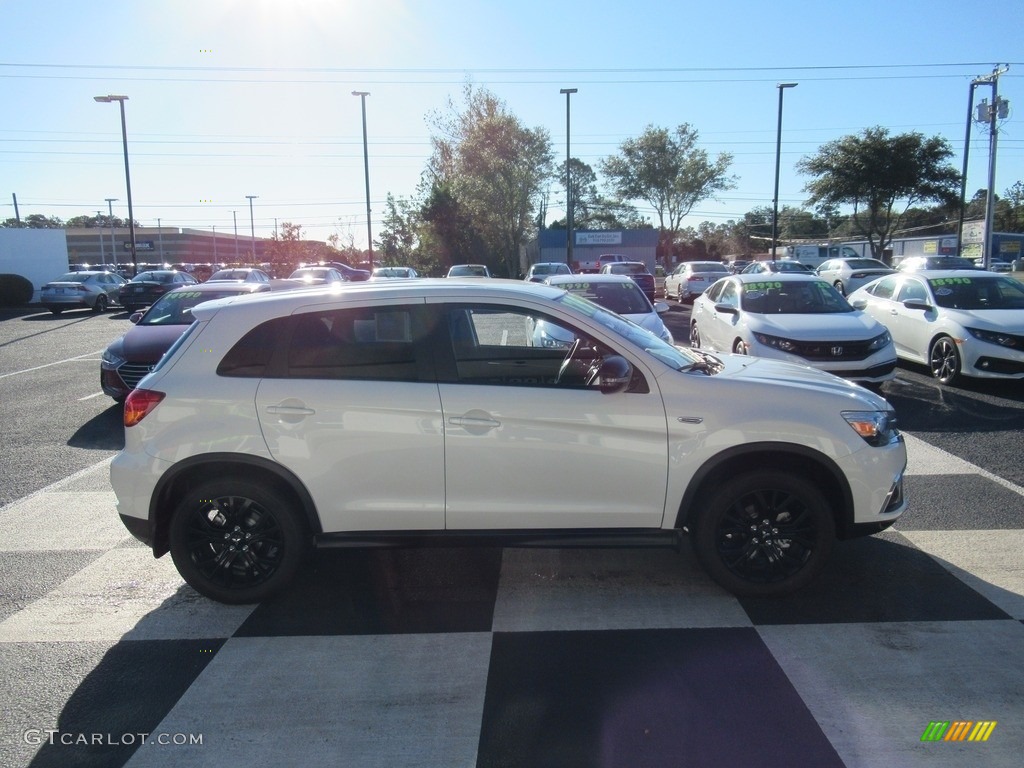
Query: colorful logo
column 958, row 730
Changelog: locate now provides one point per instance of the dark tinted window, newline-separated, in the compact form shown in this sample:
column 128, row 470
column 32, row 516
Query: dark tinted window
column 359, row 343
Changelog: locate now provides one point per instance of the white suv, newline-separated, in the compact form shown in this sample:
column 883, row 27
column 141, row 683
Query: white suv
column 407, row 412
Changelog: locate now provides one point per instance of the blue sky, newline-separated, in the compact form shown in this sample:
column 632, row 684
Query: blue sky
column 229, row 98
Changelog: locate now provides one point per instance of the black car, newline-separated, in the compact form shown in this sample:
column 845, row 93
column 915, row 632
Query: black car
column 350, row 273
column 146, row 287
column 636, row 270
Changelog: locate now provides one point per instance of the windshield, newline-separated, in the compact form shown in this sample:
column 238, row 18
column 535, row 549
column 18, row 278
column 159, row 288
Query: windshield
column 675, row 357
column 708, row 266
column 73, row 277
column 153, row 277
column 978, row 292
column 866, row 264
column 623, row 298
column 175, row 308
column 779, row 297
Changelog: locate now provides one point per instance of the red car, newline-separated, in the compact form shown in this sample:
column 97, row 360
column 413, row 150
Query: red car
column 636, row 270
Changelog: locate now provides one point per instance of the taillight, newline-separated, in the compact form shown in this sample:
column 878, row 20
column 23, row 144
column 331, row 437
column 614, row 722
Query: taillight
column 139, row 403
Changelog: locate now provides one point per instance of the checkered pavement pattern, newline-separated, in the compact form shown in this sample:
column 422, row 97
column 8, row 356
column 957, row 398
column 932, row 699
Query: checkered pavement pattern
column 516, row 657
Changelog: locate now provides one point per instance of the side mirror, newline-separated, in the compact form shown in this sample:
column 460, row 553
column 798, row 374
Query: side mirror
column 859, row 304
column 135, row 317
column 917, row 304
column 727, row 309
column 614, row 375
column 661, row 307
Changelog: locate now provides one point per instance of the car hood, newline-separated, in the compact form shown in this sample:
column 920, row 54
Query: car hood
column 763, row 370
column 845, row 326
column 147, row 343
column 996, row 320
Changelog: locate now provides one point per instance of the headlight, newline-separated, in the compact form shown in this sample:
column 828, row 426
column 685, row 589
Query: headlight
column 878, row 428
column 775, row 342
column 111, row 360
column 880, row 342
column 994, row 337
column 550, row 341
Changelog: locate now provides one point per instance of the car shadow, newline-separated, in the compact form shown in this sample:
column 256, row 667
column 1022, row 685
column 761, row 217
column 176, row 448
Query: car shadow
column 104, row 431
column 970, row 405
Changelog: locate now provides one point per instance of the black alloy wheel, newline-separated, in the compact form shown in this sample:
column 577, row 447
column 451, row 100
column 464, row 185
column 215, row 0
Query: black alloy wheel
column 764, row 534
column 101, row 304
column 236, row 541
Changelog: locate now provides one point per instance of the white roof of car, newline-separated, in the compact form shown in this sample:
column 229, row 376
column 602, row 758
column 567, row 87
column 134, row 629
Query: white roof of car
column 600, row 277
column 279, row 303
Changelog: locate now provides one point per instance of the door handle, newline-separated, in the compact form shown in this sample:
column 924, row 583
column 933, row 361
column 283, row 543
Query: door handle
column 471, row 421
column 290, row 410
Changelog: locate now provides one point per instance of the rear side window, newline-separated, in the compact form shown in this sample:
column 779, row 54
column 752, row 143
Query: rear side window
column 378, row 343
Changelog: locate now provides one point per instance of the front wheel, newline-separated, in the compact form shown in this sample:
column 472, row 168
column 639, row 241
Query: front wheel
column 740, row 347
column 840, row 287
column 236, row 541
column 944, row 360
column 764, row 534
column 694, row 336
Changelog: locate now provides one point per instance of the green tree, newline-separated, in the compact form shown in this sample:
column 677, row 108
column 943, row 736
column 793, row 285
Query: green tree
column 494, row 169
column 34, row 221
column 880, row 176
column 667, row 170
column 397, row 243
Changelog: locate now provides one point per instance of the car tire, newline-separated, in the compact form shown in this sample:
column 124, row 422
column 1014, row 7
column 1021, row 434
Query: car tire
column 764, row 534
column 694, row 336
column 739, row 347
column 838, row 285
column 944, row 360
column 237, row 541
column 100, row 305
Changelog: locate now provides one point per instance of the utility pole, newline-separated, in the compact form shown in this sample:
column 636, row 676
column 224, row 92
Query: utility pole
column 989, row 113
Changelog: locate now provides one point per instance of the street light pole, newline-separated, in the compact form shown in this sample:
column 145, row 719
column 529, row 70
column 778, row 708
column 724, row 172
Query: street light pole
column 366, row 172
column 252, row 227
column 127, row 176
column 103, row 256
column 568, row 180
column 110, row 213
column 778, row 154
column 234, row 217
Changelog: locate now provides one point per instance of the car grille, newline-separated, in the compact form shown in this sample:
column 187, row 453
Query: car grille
column 133, row 373
column 874, row 372
column 832, row 350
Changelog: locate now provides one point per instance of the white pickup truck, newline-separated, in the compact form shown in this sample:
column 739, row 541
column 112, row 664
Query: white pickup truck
column 594, row 265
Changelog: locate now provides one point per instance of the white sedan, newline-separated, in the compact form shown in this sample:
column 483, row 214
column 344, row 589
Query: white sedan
column 957, row 322
column 621, row 295
column 794, row 317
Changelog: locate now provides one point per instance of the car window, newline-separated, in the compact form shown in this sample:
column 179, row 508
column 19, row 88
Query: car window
column 977, row 292
column 623, row 298
column 884, row 288
column 730, row 295
column 714, row 290
column 913, row 289
column 511, row 346
column 812, row 297
column 357, row 343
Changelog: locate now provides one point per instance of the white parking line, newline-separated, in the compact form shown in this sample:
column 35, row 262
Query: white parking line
column 86, row 356
column 90, row 397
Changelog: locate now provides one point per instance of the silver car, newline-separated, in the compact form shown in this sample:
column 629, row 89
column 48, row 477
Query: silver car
column 847, row 275
column 95, row 290
column 691, row 278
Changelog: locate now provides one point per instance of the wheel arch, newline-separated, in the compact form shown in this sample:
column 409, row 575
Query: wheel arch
column 805, row 462
column 196, row 469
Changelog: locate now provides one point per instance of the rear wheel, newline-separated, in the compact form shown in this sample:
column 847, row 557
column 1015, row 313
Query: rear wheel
column 944, row 360
column 101, row 304
column 840, row 287
column 764, row 534
column 236, row 541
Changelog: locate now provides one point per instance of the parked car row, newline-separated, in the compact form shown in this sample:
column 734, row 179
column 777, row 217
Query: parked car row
column 965, row 322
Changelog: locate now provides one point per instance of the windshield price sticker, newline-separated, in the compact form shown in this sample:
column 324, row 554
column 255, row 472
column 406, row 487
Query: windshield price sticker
column 751, row 287
column 935, row 282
